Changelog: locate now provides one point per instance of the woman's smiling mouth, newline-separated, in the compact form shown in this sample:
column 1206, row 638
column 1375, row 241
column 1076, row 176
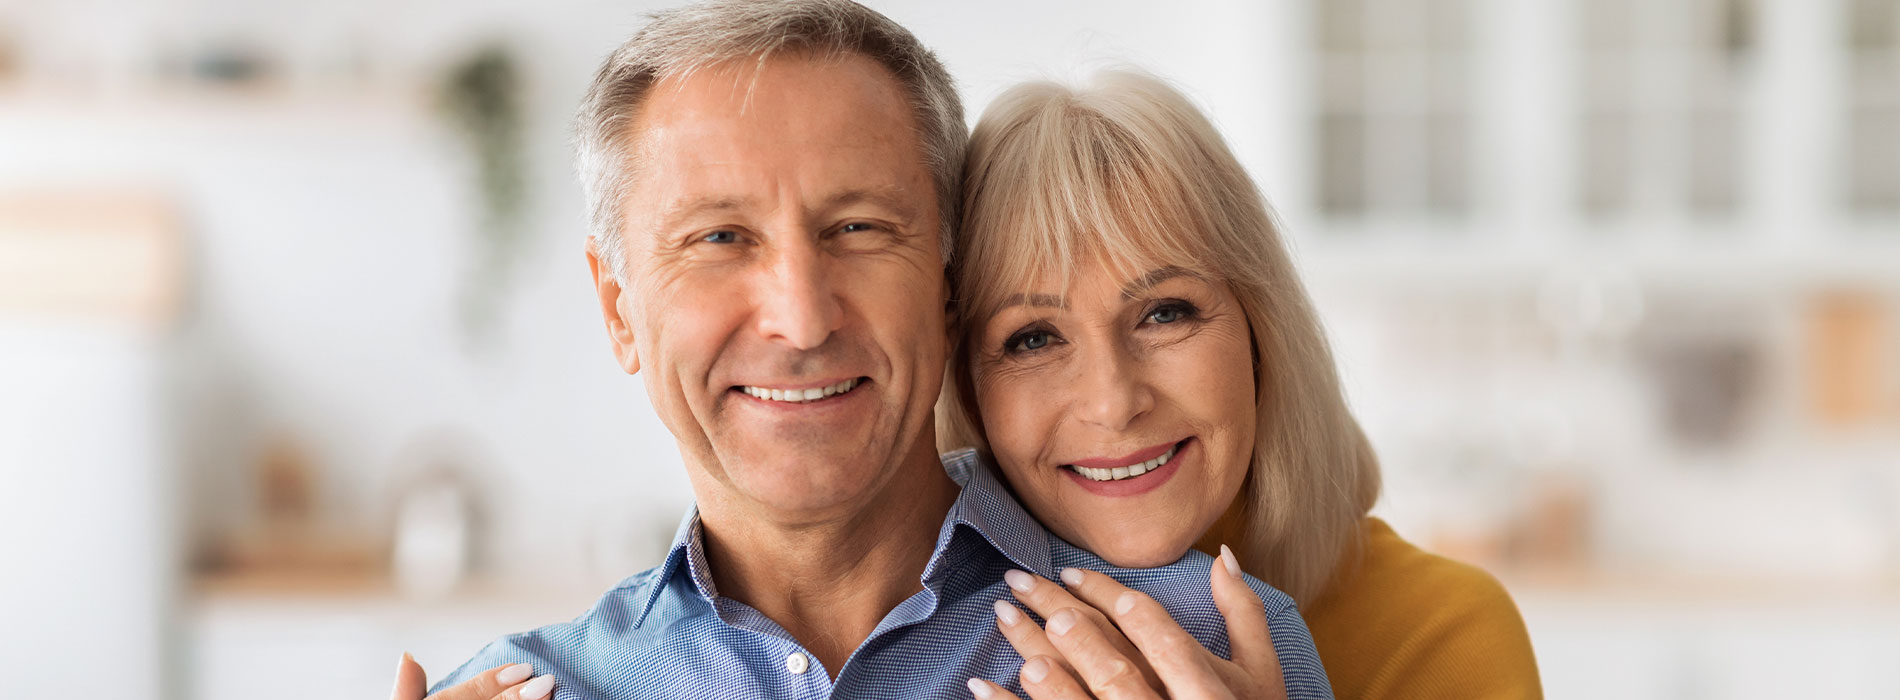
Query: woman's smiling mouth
column 1125, row 471
column 1122, row 476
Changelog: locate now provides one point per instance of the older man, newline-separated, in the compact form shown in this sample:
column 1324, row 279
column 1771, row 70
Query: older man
column 773, row 185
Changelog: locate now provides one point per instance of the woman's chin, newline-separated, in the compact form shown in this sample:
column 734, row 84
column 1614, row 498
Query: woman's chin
column 1137, row 553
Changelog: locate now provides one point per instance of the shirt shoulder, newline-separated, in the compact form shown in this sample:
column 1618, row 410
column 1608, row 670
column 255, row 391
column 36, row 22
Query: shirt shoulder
column 1402, row 622
column 628, row 629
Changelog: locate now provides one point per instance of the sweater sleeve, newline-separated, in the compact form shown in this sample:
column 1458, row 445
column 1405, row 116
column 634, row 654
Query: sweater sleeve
column 1405, row 623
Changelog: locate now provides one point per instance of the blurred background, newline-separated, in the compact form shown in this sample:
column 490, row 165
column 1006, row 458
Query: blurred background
column 300, row 367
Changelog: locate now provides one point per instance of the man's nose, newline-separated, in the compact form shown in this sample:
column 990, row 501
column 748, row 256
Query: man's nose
column 797, row 304
column 1114, row 392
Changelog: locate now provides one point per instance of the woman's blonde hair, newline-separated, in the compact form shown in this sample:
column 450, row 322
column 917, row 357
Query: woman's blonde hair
column 1127, row 172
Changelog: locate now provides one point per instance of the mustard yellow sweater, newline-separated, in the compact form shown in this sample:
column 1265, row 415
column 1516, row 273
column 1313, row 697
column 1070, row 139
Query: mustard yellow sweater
column 1404, row 623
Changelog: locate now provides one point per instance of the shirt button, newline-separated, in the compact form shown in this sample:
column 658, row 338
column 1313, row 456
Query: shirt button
column 797, row 663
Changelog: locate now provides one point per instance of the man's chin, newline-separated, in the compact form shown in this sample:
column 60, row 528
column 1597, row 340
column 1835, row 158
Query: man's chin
column 810, row 483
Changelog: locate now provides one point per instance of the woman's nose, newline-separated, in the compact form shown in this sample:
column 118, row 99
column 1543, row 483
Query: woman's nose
column 1113, row 392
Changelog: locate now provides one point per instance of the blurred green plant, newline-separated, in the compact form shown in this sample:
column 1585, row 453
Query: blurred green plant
column 481, row 97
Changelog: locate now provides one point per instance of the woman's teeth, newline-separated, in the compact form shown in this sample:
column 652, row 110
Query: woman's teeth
column 1129, row 472
column 799, row 395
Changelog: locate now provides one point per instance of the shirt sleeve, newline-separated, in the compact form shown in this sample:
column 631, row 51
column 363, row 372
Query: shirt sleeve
column 1300, row 667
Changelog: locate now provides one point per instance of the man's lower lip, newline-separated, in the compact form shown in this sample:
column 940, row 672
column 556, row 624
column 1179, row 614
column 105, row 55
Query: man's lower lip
column 1140, row 484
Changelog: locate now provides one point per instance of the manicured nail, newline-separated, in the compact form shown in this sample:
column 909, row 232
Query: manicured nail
column 401, row 664
column 1035, row 670
column 514, row 674
column 1233, row 565
column 980, row 689
column 1019, row 580
column 1062, row 622
column 1125, row 602
column 1008, row 613
column 1072, row 577
column 537, row 688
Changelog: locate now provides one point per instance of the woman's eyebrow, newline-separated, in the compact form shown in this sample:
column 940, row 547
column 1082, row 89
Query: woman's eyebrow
column 1154, row 277
column 1044, row 300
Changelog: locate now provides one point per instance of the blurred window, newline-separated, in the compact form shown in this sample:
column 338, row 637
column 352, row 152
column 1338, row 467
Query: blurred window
column 1394, row 106
column 1873, row 106
column 1663, row 84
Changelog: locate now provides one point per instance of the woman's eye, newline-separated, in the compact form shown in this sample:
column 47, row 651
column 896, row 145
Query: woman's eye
column 721, row 237
column 1032, row 340
column 1167, row 314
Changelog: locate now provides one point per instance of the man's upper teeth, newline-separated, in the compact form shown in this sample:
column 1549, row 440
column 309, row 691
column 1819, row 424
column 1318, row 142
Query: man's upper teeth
column 1128, row 472
column 799, row 395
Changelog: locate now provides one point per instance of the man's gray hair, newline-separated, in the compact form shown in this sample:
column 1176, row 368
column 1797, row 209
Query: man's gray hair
column 680, row 41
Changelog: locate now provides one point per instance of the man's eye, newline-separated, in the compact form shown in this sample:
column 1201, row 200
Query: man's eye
column 1032, row 340
column 721, row 237
column 856, row 227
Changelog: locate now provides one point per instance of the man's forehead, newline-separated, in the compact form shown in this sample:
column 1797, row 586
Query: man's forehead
column 834, row 131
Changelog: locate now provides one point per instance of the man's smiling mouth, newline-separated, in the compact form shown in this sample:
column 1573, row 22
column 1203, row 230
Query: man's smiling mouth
column 805, row 395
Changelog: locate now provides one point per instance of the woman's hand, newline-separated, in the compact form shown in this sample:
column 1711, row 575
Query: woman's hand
column 1106, row 641
column 499, row 683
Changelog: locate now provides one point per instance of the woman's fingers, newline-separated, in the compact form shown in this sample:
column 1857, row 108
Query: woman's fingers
column 1250, row 639
column 411, row 682
column 1022, row 632
column 511, row 682
column 1044, row 679
column 535, row 689
column 1187, row 669
column 985, row 690
column 1109, row 672
column 1046, row 598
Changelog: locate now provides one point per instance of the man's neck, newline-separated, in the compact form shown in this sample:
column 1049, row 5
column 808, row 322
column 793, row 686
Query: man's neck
column 830, row 582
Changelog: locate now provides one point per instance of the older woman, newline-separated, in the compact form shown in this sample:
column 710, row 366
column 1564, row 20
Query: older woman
column 1139, row 359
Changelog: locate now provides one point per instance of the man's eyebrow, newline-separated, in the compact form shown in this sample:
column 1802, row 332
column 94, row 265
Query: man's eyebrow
column 678, row 211
column 890, row 198
column 1154, row 277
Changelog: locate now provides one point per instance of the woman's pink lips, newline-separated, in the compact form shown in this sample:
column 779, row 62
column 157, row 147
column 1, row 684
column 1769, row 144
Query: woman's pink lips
column 1143, row 455
column 1136, row 486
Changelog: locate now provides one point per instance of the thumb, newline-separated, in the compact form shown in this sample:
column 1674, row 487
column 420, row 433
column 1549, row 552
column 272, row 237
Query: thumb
column 411, row 682
column 1247, row 634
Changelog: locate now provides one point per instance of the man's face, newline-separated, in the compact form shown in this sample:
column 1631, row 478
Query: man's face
column 785, row 287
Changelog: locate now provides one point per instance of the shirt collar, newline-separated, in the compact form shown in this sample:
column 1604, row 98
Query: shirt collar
column 984, row 506
column 988, row 509
column 688, row 549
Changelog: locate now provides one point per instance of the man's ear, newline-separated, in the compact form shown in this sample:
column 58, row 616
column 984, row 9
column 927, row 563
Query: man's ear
column 607, row 290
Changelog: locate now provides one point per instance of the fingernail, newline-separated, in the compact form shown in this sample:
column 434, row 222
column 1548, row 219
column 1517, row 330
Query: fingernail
column 1021, row 581
column 1035, row 670
column 980, row 689
column 1062, row 622
column 1008, row 614
column 1233, row 565
column 1072, row 577
column 537, row 688
column 401, row 664
column 514, row 674
column 1125, row 602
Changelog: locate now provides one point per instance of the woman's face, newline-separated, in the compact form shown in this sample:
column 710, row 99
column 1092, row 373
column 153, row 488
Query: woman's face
column 1121, row 409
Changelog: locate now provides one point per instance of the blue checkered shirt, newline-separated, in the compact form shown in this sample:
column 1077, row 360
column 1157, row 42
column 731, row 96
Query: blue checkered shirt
column 666, row 632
